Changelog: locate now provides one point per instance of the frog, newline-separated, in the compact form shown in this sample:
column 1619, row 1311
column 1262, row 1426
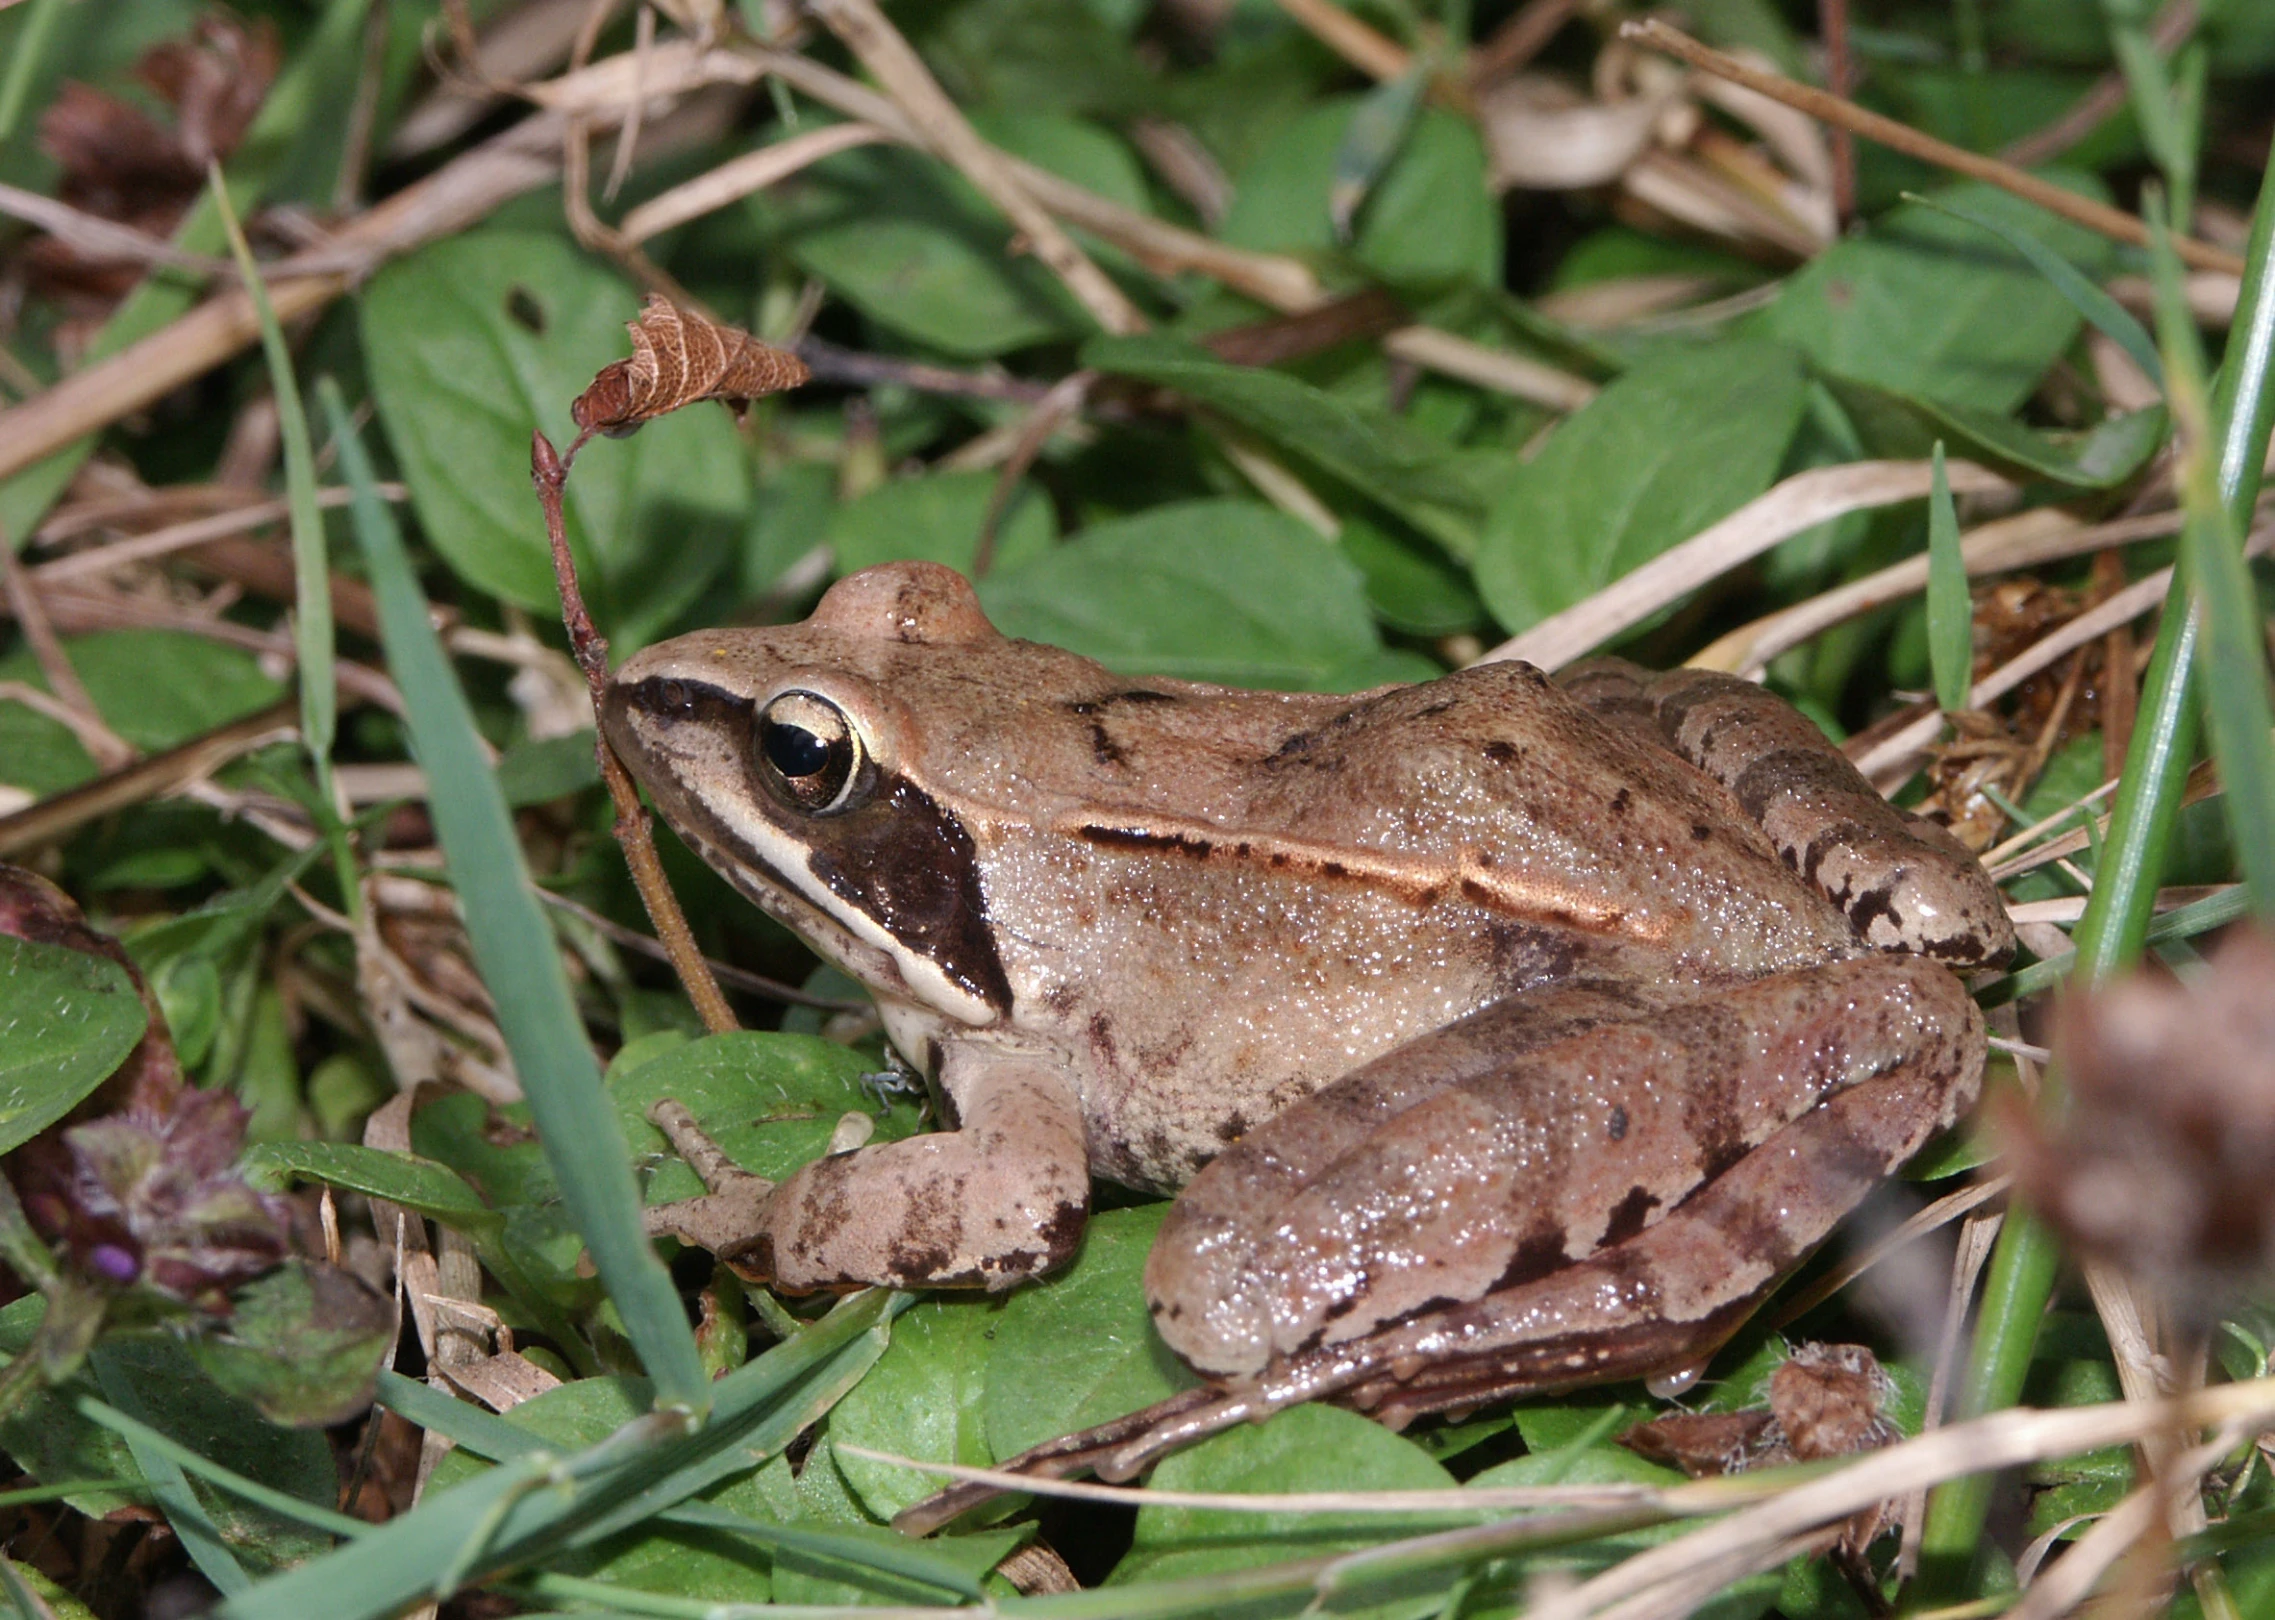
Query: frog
column 1494, row 1034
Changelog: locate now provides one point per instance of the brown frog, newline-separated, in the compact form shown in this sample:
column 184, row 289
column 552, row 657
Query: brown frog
column 1502, row 1033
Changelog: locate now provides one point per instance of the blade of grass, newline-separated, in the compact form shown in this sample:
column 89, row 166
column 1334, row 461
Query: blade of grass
column 2112, row 319
column 312, row 583
column 200, row 1538
column 2232, row 656
column 516, row 952
column 759, row 1408
column 1950, row 609
column 2117, row 914
column 502, row 1440
column 34, row 35
column 282, row 1503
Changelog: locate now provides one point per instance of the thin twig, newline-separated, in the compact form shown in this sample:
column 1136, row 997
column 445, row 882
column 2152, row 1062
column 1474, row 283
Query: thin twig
column 1840, row 79
column 742, row 177
column 57, row 816
column 1372, row 52
column 634, row 833
column 1517, row 41
column 854, row 368
column 2110, row 222
column 109, row 748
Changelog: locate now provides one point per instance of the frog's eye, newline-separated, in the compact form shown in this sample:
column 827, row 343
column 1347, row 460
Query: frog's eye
column 810, row 752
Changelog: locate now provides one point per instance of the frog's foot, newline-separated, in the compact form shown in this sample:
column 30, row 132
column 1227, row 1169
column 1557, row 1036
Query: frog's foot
column 999, row 1199
column 728, row 1210
column 1903, row 882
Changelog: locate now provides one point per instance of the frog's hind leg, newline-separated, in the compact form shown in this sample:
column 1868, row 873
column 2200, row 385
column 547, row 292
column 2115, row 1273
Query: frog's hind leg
column 1903, row 882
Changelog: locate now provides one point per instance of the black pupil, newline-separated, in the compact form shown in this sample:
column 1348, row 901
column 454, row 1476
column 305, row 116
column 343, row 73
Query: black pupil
column 793, row 750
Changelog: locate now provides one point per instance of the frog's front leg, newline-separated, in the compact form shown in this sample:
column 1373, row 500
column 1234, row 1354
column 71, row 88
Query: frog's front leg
column 1519, row 1202
column 1905, row 883
column 997, row 1200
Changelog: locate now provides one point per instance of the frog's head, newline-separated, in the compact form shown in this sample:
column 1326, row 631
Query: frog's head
column 793, row 758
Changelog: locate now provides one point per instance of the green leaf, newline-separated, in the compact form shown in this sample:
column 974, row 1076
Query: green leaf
column 1430, row 217
column 923, row 1399
column 1923, row 307
column 2111, row 318
column 905, row 240
column 1305, row 1448
column 1078, row 1348
column 514, row 948
column 1371, row 451
column 67, row 1021
column 1950, row 608
column 476, row 340
column 1228, row 591
column 770, row 1101
column 1671, row 446
column 2099, row 457
column 937, row 517
column 155, row 688
column 302, row 1343
column 1410, row 586
column 1370, row 140
column 433, row 1190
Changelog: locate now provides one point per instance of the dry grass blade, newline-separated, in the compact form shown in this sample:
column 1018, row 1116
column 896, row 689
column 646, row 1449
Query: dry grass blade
column 1784, row 510
column 1897, row 755
column 2002, row 1440
column 58, row 816
column 141, row 548
column 2110, row 222
column 742, row 177
column 1497, row 369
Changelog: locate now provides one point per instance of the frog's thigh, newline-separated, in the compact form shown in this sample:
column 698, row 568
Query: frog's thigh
column 999, row 1199
column 1904, row 882
column 1529, row 1156
column 1668, row 1297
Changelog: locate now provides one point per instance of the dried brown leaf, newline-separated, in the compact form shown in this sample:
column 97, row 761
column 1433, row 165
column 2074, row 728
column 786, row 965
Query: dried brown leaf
column 677, row 359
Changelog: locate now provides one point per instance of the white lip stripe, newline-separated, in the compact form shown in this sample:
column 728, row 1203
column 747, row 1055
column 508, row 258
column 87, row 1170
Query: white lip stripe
column 924, row 977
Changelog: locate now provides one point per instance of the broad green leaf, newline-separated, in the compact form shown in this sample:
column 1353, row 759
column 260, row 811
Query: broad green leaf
column 302, row 1343
column 1370, row 140
column 1411, row 587
column 1371, row 451
column 431, row 1189
column 1671, row 446
column 938, row 516
column 67, row 1020
column 1305, row 1448
column 1078, row 1347
column 923, row 1399
column 484, row 336
column 1950, row 607
column 1040, row 55
column 1090, row 155
column 769, row 1100
column 908, row 243
column 1429, row 216
column 1228, row 591
column 1924, row 306
column 2099, row 457
column 52, row 1440
column 155, row 688
column 2113, row 319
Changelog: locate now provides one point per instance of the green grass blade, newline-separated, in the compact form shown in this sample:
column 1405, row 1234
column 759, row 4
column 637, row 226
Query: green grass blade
column 170, row 1487
column 311, row 568
column 34, row 35
column 508, row 1523
column 2119, row 911
column 2112, row 319
column 519, row 959
column 2232, row 655
column 1950, row 609
column 282, row 1503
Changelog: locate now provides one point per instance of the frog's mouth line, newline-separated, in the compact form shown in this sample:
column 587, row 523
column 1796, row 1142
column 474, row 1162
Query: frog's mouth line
column 890, row 891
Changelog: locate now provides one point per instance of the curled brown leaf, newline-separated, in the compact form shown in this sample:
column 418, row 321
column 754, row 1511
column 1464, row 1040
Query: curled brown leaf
column 677, row 359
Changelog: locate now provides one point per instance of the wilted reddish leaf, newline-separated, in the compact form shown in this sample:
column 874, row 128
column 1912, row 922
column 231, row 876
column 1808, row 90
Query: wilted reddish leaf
column 123, row 165
column 677, row 359
column 2165, row 1161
